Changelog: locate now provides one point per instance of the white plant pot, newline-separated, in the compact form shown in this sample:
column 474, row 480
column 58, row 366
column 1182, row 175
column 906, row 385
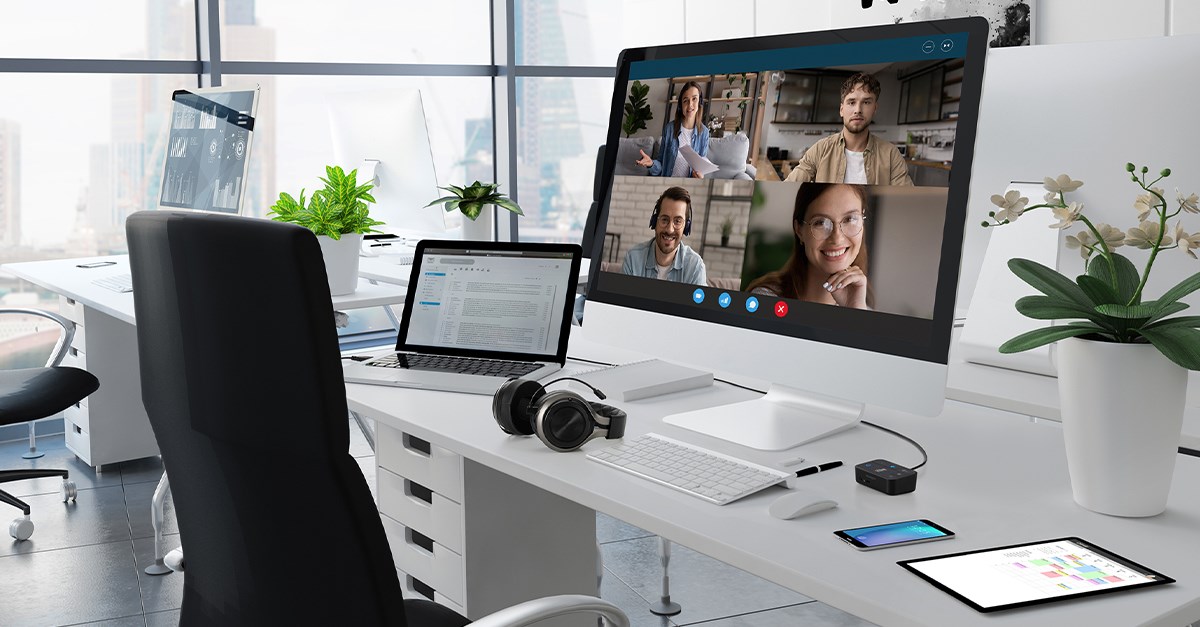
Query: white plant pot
column 482, row 228
column 1122, row 413
column 341, row 262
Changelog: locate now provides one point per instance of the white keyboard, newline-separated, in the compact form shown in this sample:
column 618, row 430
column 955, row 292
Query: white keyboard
column 702, row 473
column 116, row 282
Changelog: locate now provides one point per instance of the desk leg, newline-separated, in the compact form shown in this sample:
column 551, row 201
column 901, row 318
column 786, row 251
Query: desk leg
column 665, row 607
column 159, row 567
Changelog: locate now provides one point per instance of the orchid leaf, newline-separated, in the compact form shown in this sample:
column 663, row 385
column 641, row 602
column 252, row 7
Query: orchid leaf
column 1048, row 335
column 1179, row 343
column 1048, row 281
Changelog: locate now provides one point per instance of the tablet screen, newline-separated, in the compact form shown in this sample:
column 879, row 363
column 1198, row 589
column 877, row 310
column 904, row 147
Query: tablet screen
column 1027, row 574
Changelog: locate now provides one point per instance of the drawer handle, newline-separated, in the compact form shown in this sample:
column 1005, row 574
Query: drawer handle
column 418, row 491
column 78, row 406
column 77, row 430
column 413, row 443
column 419, row 539
column 421, row 588
column 70, row 301
column 74, row 351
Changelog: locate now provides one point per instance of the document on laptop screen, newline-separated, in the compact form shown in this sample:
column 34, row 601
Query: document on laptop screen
column 492, row 300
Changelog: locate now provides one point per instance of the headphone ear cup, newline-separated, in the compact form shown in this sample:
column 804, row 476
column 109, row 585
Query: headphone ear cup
column 513, row 405
column 687, row 227
column 653, row 219
column 564, row 421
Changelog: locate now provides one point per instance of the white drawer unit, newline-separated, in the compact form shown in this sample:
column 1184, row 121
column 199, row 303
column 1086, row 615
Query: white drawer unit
column 439, row 512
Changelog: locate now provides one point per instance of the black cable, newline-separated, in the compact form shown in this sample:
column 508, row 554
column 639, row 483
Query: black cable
column 924, row 455
column 1189, row 451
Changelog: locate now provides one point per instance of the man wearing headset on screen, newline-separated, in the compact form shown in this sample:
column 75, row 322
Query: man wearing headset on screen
column 665, row 256
column 854, row 155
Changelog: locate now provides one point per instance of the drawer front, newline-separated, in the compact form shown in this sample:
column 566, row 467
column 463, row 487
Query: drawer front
column 77, row 414
column 70, row 309
column 78, row 441
column 75, row 357
column 428, row 464
column 429, row 513
column 409, row 588
column 440, row 568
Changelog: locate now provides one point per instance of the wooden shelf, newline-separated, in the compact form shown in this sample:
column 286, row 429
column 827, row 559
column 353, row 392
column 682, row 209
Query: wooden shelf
column 954, row 80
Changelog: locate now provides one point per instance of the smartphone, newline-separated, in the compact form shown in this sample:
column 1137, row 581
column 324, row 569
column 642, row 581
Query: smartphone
column 894, row 534
column 96, row 264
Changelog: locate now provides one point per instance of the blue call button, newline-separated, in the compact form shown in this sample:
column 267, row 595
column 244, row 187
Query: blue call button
column 752, row 304
column 698, row 296
column 724, row 299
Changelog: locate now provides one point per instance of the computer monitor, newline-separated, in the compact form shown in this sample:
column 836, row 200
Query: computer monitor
column 382, row 134
column 768, row 247
column 208, row 149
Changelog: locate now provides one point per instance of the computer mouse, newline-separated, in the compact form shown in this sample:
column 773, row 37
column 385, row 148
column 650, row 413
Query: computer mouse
column 797, row 503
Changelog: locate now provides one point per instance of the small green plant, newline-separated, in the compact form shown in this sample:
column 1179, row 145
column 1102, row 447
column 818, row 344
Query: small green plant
column 339, row 209
column 472, row 199
column 1105, row 303
column 637, row 110
column 727, row 227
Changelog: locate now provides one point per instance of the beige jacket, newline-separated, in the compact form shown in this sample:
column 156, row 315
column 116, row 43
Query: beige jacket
column 825, row 162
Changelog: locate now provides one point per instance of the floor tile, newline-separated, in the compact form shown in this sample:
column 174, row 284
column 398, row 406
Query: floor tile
column 138, row 497
column 159, row 592
column 812, row 613
column 56, row 456
column 97, row 516
column 128, row 621
column 145, row 470
column 609, row 529
column 163, row 619
column 706, row 588
column 67, row 586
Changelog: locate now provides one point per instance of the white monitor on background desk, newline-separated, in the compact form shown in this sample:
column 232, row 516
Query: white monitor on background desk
column 383, row 133
column 824, row 362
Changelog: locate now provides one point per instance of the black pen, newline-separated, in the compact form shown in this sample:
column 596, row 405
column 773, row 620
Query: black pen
column 812, row 470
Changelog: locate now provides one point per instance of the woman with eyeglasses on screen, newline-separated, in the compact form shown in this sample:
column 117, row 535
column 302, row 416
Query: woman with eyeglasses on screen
column 687, row 128
column 829, row 255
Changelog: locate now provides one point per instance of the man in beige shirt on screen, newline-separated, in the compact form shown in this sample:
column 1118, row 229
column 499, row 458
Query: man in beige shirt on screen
column 854, row 155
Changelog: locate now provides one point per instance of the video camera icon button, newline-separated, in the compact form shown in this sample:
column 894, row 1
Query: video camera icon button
column 698, row 296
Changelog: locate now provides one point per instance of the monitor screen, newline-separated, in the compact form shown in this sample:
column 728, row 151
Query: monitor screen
column 792, row 208
column 208, row 149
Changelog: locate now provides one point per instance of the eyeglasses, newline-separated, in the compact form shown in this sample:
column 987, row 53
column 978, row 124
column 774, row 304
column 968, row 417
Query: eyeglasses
column 665, row 220
column 821, row 228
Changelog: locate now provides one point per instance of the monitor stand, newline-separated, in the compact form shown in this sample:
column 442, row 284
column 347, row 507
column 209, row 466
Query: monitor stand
column 783, row 418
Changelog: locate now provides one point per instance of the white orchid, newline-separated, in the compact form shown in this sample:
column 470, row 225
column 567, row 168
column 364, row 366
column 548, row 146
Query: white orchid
column 1067, row 215
column 1051, row 198
column 1061, row 184
column 1146, row 203
column 1011, row 204
column 1145, row 236
column 1114, row 237
column 1083, row 241
column 1187, row 243
column 1190, row 204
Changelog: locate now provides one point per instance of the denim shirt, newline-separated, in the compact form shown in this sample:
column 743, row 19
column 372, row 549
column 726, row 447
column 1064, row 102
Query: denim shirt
column 669, row 150
column 687, row 267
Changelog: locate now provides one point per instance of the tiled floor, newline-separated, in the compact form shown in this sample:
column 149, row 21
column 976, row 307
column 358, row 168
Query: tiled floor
column 83, row 564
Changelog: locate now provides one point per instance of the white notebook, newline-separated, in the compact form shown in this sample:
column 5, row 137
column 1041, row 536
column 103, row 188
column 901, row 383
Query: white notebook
column 645, row 379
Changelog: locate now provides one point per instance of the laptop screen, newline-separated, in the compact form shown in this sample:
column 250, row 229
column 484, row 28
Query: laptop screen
column 491, row 299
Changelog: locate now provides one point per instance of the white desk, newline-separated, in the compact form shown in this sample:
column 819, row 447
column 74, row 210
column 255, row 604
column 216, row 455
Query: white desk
column 111, row 425
column 1037, row 395
column 993, row 477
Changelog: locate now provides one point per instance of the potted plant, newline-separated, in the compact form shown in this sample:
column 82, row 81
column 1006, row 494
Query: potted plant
column 339, row 215
column 726, row 230
column 637, row 110
column 1122, row 359
column 471, row 200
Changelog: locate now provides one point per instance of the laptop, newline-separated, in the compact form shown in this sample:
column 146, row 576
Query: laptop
column 478, row 314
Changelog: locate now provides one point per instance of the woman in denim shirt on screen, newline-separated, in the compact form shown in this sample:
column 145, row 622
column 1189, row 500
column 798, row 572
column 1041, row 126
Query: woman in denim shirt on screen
column 688, row 127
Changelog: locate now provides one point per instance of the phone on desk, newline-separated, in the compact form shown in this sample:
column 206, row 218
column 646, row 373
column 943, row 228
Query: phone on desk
column 894, row 534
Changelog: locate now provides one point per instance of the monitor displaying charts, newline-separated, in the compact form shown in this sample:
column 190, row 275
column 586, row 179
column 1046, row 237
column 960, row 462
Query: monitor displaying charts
column 208, row 149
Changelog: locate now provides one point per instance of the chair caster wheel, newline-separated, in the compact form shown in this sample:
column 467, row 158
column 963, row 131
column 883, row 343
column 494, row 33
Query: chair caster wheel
column 67, row 491
column 21, row 529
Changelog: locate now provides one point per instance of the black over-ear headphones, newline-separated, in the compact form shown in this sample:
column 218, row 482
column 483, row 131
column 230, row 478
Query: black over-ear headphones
column 687, row 225
column 561, row 419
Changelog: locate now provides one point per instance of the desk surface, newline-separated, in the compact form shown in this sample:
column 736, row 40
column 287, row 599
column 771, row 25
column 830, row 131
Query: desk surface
column 993, row 477
column 63, row 276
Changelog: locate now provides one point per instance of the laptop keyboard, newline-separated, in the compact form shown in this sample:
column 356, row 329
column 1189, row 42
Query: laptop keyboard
column 460, row 365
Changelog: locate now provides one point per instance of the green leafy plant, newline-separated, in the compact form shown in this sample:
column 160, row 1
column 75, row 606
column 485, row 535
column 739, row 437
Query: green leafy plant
column 472, row 199
column 339, row 209
column 1105, row 303
column 637, row 110
column 727, row 226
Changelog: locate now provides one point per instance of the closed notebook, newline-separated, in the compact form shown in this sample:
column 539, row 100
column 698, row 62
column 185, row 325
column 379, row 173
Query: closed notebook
column 646, row 379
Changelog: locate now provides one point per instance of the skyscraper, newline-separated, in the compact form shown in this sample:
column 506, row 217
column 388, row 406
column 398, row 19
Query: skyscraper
column 10, row 184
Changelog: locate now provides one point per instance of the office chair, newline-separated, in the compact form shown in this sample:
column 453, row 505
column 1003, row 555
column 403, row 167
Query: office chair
column 29, row 394
column 250, row 415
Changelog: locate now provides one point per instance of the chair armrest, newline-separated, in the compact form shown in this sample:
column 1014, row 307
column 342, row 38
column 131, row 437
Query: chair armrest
column 64, row 337
column 536, row 610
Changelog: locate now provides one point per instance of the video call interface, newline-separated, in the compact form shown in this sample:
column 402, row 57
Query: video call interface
column 801, row 190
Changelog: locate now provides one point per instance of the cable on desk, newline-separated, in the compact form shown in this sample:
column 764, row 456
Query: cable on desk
column 924, row 455
column 1189, row 451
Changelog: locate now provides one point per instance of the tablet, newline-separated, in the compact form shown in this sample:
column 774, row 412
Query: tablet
column 1007, row 577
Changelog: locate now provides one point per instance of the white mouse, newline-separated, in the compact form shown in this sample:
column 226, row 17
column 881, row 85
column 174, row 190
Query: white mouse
column 798, row 503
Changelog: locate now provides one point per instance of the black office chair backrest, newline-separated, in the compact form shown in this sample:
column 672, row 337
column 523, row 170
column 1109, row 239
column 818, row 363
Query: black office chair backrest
column 242, row 382
column 593, row 217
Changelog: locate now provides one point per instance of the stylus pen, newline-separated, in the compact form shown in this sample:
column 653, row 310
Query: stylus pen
column 812, row 470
